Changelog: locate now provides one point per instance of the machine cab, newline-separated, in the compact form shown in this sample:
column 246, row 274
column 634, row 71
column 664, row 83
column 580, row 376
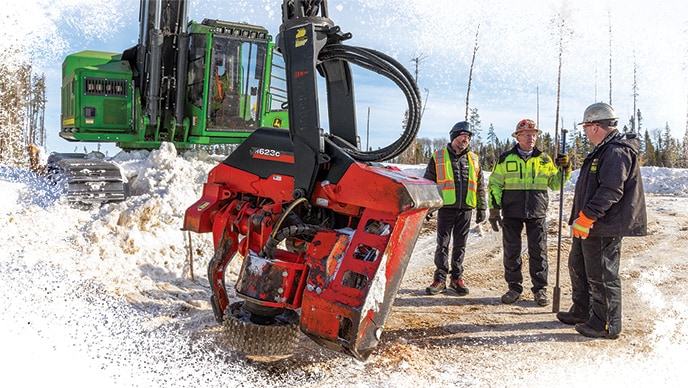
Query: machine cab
column 232, row 85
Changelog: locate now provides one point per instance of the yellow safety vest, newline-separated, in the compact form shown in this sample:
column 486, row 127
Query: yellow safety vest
column 445, row 177
column 514, row 174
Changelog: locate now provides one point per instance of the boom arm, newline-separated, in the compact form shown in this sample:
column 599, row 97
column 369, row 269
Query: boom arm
column 311, row 42
column 303, row 35
column 161, row 57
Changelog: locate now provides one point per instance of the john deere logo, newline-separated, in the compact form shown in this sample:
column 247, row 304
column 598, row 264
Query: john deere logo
column 277, row 122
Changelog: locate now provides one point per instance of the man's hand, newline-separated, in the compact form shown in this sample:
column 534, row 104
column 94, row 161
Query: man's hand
column 581, row 226
column 480, row 216
column 495, row 219
column 563, row 162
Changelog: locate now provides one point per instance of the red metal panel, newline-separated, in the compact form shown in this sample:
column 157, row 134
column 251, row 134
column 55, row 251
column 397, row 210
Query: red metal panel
column 272, row 282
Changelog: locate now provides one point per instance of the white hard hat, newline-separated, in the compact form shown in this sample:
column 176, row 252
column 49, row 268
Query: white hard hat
column 598, row 111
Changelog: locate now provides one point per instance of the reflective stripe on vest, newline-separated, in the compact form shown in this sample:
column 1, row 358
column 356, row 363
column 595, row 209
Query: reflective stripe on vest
column 526, row 175
column 445, row 177
column 473, row 167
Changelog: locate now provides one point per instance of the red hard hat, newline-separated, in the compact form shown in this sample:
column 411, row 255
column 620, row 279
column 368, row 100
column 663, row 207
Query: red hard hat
column 525, row 125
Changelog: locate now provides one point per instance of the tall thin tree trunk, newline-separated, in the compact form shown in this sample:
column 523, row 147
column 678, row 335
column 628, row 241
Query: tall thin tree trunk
column 635, row 91
column 556, row 116
column 470, row 74
column 610, row 59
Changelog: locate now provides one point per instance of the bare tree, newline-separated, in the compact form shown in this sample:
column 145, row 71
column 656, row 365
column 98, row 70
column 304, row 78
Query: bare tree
column 14, row 95
column 635, row 91
column 34, row 130
column 684, row 158
column 537, row 105
column 22, row 109
column 416, row 61
column 563, row 31
column 470, row 74
column 609, row 16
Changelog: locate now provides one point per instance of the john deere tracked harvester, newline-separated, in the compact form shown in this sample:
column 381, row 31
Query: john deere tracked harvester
column 187, row 83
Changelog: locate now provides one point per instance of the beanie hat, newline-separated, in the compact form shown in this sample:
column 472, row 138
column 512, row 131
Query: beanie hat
column 460, row 128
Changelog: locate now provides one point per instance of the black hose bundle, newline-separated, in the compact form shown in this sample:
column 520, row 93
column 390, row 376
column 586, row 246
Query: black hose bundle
column 304, row 231
column 389, row 67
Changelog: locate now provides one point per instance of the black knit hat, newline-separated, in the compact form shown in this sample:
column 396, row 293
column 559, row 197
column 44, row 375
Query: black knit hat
column 460, row 128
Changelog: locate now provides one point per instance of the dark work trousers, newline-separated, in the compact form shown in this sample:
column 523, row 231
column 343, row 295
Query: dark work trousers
column 595, row 282
column 451, row 224
column 536, row 232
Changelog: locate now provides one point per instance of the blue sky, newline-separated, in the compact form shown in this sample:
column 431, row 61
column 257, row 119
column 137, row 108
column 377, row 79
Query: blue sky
column 515, row 70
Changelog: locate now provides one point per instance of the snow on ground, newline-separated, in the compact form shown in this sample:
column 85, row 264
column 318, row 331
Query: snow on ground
column 105, row 296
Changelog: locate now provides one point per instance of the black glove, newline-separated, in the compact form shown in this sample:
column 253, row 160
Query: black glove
column 495, row 219
column 480, row 216
column 563, row 162
column 429, row 215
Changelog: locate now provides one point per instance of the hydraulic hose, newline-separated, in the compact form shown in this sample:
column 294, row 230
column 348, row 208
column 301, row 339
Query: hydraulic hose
column 304, row 230
column 389, row 67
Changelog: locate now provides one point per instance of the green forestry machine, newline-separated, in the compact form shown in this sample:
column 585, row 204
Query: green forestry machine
column 185, row 83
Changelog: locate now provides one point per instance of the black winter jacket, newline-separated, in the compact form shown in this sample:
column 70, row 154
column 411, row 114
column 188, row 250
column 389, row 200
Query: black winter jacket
column 609, row 189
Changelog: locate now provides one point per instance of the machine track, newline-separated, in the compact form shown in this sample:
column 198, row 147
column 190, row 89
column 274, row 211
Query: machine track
column 87, row 178
column 261, row 342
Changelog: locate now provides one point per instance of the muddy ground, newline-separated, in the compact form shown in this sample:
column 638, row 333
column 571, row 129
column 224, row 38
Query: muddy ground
column 476, row 340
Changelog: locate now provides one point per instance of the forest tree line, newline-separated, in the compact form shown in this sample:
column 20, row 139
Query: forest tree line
column 22, row 123
column 658, row 147
column 22, row 112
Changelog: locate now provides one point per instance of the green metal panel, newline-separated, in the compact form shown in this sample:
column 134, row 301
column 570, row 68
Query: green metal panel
column 100, row 103
column 96, row 97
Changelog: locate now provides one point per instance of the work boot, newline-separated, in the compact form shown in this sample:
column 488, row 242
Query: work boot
column 541, row 298
column 459, row 287
column 569, row 318
column 589, row 331
column 511, row 296
column 436, row 287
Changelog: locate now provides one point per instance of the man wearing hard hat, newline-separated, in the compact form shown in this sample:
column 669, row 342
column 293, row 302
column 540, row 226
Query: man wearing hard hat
column 518, row 197
column 608, row 204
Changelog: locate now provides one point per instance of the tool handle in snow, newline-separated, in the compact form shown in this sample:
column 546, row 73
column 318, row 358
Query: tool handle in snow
column 556, row 295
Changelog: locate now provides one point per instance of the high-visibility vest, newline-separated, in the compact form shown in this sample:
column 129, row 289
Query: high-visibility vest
column 533, row 174
column 445, row 177
column 516, row 176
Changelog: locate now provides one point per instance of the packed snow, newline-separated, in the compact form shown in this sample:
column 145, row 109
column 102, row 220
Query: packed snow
column 104, row 296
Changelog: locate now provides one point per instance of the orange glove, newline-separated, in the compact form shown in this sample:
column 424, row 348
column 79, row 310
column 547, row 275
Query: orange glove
column 581, row 226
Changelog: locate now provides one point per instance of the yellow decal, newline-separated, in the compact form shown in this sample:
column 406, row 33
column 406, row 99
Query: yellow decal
column 301, row 38
column 277, row 122
column 593, row 167
column 203, row 206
